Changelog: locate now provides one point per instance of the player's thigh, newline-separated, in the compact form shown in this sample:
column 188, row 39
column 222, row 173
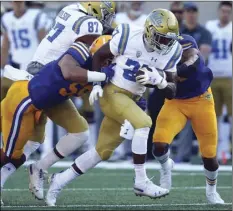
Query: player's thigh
column 109, row 138
column 17, row 126
column 5, row 85
column 204, row 124
column 67, row 116
column 39, row 132
column 227, row 94
column 218, row 95
column 119, row 107
column 170, row 122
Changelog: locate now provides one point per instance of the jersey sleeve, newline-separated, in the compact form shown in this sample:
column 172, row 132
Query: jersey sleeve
column 119, row 39
column 41, row 21
column 87, row 25
column 173, row 59
column 79, row 52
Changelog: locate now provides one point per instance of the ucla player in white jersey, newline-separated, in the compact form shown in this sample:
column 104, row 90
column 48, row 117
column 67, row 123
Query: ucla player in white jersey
column 23, row 29
column 136, row 51
column 79, row 22
column 220, row 62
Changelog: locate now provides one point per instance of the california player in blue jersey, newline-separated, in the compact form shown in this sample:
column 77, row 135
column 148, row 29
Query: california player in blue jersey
column 193, row 101
column 53, row 85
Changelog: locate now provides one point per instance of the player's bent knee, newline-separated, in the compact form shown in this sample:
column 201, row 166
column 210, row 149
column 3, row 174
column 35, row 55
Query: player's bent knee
column 71, row 142
column 208, row 151
column 104, row 154
column 160, row 149
column 146, row 122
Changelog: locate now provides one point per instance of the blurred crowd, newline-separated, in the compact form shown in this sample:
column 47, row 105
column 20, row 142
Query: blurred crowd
column 217, row 54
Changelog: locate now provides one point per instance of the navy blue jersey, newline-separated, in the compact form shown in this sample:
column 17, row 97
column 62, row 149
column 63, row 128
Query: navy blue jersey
column 199, row 81
column 49, row 88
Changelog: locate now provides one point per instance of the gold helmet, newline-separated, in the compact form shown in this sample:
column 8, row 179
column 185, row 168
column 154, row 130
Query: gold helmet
column 161, row 30
column 99, row 42
column 104, row 11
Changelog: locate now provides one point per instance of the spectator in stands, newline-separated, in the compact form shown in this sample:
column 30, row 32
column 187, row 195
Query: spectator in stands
column 133, row 15
column 192, row 27
column 220, row 61
column 177, row 7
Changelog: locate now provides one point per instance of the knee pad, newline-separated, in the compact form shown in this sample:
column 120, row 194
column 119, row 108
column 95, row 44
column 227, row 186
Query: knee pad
column 70, row 142
column 139, row 142
column 160, row 149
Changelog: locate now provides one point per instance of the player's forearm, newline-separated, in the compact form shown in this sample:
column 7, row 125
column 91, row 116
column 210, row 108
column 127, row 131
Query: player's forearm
column 41, row 34
column 186, row 71
column 80, row 75
column 4, row 51
column 4, row 57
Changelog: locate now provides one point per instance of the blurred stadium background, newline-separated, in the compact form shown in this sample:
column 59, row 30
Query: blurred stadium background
column 185, row 147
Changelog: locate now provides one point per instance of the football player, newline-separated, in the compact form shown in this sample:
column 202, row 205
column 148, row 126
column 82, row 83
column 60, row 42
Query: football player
column 152, row 47
column 77, row 22
column 194, row 101
column 54, row 84
column 22, row 30
column 220, row 62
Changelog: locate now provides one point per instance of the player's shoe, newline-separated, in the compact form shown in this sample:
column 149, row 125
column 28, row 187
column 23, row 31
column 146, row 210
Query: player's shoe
column 2, row 204
column 214, row 198
column 148, row 188
column 36, row 181
column 53, row 192
column 166, row 175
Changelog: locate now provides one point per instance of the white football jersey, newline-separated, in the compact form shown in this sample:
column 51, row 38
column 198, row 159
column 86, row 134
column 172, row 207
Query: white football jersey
column 23, row 34
column 122, row 17
column 220, row 59
column 128, row 46
column 70, row 24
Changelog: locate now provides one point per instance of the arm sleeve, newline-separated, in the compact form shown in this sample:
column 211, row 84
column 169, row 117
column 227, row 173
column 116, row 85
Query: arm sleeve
column 79, row 52
column 174, row 59
column 87, row 25
column 119, row 39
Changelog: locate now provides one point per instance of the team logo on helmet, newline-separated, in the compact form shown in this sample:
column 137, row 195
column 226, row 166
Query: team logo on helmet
column 108, row 4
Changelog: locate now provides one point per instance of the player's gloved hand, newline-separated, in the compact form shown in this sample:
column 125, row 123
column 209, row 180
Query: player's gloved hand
column 142, row 103
column 96, row 92
column 109, row 72
column 127, row 130
column 146, row 77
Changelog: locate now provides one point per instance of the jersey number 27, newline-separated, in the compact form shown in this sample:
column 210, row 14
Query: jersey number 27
column 56, row 30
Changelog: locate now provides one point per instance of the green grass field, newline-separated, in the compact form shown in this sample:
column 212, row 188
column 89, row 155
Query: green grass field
column 102, row 189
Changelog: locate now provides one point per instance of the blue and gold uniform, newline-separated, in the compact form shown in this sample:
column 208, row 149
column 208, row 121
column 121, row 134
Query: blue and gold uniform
column 194, row 101
column 46, row 90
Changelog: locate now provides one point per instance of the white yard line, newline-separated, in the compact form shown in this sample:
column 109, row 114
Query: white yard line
column 114, row 205
column 129, row 165
column 115, row 189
